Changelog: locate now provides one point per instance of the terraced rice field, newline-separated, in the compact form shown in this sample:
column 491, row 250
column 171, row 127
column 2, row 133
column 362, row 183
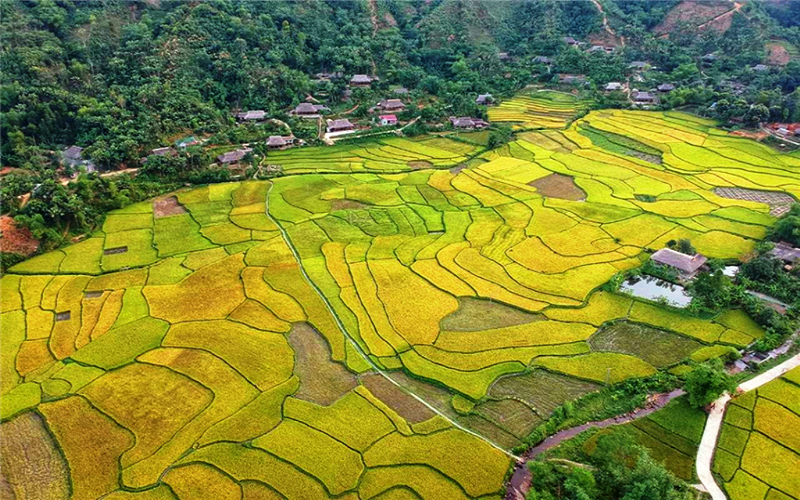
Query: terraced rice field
column 360, row 334
column 758, row 452
column 538, row 110
column 385, row 155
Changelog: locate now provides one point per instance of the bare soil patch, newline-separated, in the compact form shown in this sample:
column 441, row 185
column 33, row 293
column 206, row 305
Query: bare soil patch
column 64, row 316
column 758, row 135
column 15, row 239
column 322, row 381
column 458, row 168
column 114, row 251
column 164, row 207
column 478, row 314
column 420, row 164
column 397, row 399
column 347, row 205
column 777, row 54
column 31, row 465
column 691, row 13
column 558, row 186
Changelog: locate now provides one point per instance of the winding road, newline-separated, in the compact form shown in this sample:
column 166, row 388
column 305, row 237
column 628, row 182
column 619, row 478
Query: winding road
column 705, row 453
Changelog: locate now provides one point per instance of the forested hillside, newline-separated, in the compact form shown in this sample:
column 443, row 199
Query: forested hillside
column 120, row 78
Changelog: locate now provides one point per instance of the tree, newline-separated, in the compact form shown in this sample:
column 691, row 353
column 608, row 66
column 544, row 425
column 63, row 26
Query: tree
column 788, row 227
column 683, row 246
column 706, row 382
column 499, row 136
column 710, row 291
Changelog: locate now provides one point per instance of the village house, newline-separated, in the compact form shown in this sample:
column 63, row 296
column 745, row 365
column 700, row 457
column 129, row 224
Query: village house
column 329, row 76
column 786, row 252
column 400, row 91
column 73, row 158
column 280, row 142
column 760, row 67
column 600, row 48
column 572, row 79
column 233, row 157
column 644, row 98
column 570, row 41
column 638, row 65
column 467, row 123
column 710, row 58
column 308, row 110
column 613, row 87
column 543, row 60
column 666, row 87
column 503, row 56
column 387, row 120
column 687, row 266
column 167, row 151
column 360, row 81
column 484, row 99
column 391, row 105
column 252, row 115
column 342, row 125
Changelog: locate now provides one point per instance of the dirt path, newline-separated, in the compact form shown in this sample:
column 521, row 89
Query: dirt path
column 281, row 123
column 345, row 113
column 736, row 8
column 606, row 26
column 373, row 16
column 520, row 482
column 705, row 453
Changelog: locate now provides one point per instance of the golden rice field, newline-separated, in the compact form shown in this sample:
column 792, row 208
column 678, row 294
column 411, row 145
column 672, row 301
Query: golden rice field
column 758, row 452
column 538, row 110
column 362, row 334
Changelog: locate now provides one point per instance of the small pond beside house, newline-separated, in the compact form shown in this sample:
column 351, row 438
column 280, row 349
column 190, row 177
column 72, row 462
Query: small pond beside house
column 650, row 288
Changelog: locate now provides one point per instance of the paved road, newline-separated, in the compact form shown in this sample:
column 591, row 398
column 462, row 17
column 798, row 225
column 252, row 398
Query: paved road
column 705, row 454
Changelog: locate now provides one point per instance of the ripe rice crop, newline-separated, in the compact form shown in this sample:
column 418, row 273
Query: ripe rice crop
column 466, row 285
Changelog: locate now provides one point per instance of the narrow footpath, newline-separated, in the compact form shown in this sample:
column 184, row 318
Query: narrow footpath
column 705, row 453
column 520, row 481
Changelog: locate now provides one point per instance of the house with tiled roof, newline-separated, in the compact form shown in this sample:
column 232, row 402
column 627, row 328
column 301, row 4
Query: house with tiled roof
column 687, row 266
column 252, row 115
column 360, row 81
column 341, row 125
column 232, row 157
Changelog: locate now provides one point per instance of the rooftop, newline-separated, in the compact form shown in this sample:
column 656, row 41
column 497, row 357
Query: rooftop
column 680, row 261
column 255, row 114
column 360, row 79
column 341, row 123
column 233, row 156
column 73, row 152
column 786, row 252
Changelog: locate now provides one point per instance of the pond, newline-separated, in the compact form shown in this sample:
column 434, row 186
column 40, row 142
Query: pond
column 648, row 287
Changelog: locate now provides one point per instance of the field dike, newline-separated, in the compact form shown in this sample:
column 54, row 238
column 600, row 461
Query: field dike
column 355, row 345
